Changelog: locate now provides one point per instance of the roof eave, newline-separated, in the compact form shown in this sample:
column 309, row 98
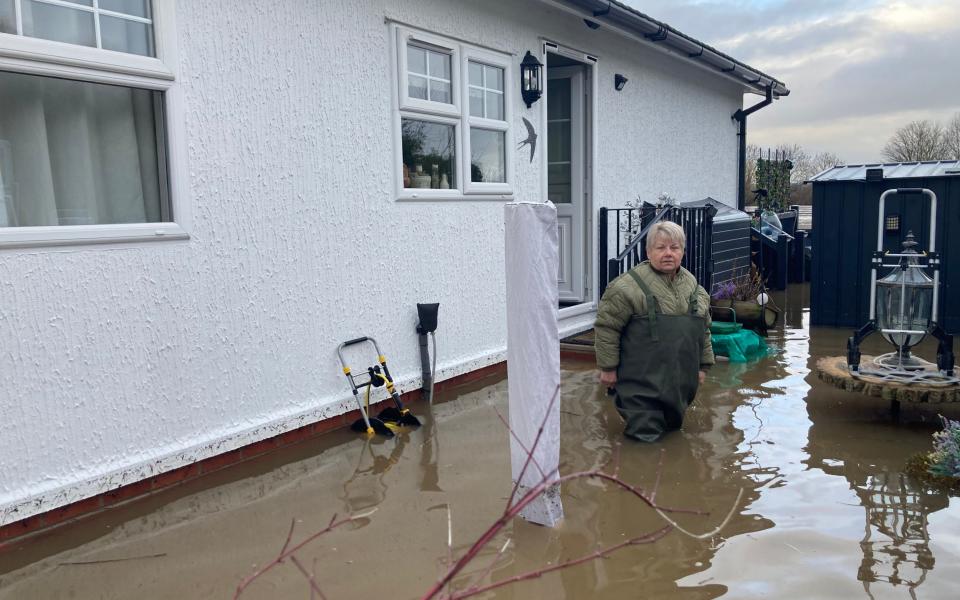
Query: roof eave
column 629, row 21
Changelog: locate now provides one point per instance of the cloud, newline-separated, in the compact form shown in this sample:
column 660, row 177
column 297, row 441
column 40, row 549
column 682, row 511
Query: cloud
column 856, row 70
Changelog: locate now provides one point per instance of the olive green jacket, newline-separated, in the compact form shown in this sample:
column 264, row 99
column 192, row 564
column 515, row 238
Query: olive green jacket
column 624, row 298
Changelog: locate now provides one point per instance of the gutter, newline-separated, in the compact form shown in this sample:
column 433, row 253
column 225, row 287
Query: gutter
column 741, row 118
column 623, row 20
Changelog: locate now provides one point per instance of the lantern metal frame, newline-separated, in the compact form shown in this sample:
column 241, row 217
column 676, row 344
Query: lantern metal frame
column 531, row 79
column 930, row 260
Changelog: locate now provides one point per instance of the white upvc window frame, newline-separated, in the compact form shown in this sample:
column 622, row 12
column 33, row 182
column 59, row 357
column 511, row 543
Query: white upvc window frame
column 34, row 56
column 503, row 62
column 456, row 114
column 436, row 44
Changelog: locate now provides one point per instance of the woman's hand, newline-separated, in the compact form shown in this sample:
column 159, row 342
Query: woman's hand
column 608, row 378
column 701, row 376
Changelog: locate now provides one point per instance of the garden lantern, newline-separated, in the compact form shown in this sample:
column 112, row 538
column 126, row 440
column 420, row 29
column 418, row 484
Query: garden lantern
column 904, row 304
column 531, row 87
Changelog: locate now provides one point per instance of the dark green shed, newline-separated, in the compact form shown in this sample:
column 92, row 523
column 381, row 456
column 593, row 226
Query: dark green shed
column 845, row 207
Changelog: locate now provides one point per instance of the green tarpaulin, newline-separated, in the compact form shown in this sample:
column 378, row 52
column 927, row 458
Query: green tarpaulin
column 736, row 343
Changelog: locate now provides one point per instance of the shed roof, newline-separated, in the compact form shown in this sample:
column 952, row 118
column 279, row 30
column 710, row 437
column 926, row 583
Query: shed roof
column 724, row 213
column 620, row 16
column 929, row 168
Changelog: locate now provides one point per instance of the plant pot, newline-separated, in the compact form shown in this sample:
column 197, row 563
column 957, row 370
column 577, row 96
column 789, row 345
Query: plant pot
column 748, row 313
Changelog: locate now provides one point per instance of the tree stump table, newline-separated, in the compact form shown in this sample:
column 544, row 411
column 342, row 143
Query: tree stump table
column 833, row 370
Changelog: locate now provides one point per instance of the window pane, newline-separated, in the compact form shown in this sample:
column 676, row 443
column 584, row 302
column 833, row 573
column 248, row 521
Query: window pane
column 558, row 99
column 494, row 78
column 476, row 102
column 429, row 154
column 417, row 87
column 58, row 23
column 439, row 65
column 416, row 60
column 137, row 8
column 558, row 183
column 126, row 36
column 495, row 106
column 8, row 19
column 476, row 74
column 440, row 91
column 83, row 2
column 487, row 156
column 78, row 153
column 558, row 141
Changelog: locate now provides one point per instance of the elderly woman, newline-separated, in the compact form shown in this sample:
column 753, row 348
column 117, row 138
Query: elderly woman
column 653, row 337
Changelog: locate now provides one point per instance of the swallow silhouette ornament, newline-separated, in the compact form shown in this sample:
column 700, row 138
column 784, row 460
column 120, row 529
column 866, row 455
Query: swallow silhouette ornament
column 531, row 138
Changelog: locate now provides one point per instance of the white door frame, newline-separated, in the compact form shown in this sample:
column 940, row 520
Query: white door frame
column 590, row 184
column 571, row 217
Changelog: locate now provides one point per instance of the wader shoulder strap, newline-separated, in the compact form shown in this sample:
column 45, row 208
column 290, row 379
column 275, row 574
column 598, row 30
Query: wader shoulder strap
column 692, row 303
column 651, row 304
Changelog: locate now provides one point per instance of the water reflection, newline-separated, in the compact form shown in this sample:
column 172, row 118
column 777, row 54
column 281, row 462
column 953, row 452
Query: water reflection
column 870, row 534
column 895, row 542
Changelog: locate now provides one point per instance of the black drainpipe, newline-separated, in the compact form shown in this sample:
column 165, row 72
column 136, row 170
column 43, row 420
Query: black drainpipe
column 741, row 117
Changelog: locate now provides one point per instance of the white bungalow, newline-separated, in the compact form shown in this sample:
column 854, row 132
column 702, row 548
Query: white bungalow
column 201, row 200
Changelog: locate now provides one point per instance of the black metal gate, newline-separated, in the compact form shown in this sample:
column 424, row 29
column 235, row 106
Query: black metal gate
column 623, row 233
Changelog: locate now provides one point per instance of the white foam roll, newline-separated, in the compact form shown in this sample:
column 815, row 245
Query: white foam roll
column 533, row 348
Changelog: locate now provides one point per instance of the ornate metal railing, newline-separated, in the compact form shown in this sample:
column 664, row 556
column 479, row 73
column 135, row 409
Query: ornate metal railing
column 623, row 233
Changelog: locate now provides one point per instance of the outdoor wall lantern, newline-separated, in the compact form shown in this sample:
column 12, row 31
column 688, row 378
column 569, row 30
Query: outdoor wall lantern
column 903, row 307
column 531, row 87
column 619, row 81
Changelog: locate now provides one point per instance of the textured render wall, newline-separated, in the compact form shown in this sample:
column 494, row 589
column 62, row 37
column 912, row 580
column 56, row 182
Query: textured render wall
column 122, row 361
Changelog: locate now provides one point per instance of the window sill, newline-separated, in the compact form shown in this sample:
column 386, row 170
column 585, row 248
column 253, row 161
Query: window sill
column 56, row 59
column 71, row 235
column 456, row 196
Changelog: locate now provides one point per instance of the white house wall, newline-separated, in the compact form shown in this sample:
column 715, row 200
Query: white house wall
column 122, row 361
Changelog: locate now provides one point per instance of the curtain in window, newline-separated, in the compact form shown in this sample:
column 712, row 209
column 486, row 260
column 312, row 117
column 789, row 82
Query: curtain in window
column 77, row 153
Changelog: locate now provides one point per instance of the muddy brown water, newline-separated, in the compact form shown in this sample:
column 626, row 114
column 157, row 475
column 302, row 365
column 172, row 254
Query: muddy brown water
column 826, row 510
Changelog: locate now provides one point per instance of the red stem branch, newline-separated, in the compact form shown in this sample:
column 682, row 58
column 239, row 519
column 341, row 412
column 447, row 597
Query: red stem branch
column 285, row 553
column 646, row 538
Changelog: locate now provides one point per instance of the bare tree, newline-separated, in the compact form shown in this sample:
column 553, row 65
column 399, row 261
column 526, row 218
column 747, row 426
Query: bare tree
column 800, row 159
column 823, row 161
column 951, row 137
column 918, row 140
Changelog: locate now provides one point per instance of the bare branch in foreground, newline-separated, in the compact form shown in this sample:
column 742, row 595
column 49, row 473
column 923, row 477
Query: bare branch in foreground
column 647, row 538
column 285, row 553
column 533, row 448
column 314, row 588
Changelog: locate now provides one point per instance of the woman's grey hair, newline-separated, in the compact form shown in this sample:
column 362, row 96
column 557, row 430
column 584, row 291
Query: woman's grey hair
column 666, row 229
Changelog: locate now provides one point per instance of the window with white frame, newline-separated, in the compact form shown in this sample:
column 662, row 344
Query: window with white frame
column 84, row 134
column 454, row 118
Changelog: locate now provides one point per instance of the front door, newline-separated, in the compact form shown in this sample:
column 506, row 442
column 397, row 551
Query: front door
column 566, row 138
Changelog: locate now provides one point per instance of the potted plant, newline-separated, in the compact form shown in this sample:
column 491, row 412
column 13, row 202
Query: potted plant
column 739, row 299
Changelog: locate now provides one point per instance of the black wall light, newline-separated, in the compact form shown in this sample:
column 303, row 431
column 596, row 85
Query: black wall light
column 531, row 87
column 619, row 81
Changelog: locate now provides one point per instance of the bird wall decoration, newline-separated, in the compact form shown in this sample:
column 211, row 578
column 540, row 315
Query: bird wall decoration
column 531, row 138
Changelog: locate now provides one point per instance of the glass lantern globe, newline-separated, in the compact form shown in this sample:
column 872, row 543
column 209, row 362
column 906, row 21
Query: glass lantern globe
column 905, row 301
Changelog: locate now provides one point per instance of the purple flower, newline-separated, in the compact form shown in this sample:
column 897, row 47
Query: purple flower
column 723, row 291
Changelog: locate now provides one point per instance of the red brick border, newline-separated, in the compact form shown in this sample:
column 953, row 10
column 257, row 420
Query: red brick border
column 137, row 489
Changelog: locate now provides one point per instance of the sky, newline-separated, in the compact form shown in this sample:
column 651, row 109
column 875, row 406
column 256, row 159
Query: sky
column 856, row 70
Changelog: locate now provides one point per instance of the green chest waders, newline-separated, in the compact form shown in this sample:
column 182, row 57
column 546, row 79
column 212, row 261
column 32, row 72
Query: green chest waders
column 659, row 367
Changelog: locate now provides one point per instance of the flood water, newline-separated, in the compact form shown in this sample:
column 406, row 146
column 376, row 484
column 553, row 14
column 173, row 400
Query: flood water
column 826, row 510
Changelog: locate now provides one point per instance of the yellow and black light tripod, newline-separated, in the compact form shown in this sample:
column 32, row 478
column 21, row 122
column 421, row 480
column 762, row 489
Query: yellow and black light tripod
column 375, row 376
